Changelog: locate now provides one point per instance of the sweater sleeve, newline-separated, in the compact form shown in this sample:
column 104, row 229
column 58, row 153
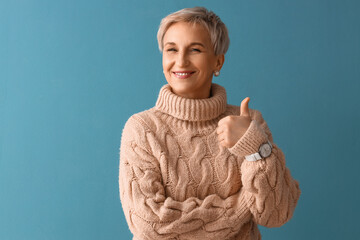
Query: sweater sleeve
column 270, row 190
column 151, row 214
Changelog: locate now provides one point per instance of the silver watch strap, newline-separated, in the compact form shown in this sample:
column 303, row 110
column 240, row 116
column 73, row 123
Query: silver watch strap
column 255, row 156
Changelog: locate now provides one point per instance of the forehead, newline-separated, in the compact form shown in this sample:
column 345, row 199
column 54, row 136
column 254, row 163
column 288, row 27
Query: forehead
column 183, row 32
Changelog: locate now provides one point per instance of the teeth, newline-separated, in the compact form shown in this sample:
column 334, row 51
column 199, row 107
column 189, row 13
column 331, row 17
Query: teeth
column 182, row 74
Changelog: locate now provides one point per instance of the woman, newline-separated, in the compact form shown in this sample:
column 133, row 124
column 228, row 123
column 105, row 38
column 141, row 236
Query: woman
column 193, row 166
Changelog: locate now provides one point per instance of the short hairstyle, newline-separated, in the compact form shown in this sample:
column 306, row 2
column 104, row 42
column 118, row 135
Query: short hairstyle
column 198, row 15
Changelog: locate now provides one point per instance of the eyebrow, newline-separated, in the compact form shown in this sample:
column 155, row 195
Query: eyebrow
column 191, row 44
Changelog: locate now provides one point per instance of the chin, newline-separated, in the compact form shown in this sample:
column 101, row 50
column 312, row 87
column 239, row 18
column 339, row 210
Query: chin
column 182, row 87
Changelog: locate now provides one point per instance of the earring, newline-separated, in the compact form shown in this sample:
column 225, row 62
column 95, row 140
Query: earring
column 216, row 73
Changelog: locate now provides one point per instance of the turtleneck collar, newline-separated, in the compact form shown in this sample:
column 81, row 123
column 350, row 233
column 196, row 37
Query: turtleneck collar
column 192, row 109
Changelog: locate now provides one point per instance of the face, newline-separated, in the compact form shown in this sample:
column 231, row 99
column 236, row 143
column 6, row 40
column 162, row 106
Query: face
column 189, row 61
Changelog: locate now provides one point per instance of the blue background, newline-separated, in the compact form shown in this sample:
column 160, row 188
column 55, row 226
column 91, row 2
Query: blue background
column 72, row 72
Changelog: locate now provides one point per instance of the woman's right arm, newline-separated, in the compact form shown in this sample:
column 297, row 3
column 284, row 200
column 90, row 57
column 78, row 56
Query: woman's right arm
column 152, row 215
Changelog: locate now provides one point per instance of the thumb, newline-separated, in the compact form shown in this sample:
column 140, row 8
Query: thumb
column 244, row 108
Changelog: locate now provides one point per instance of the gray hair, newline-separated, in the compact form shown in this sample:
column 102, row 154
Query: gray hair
column 198, row 15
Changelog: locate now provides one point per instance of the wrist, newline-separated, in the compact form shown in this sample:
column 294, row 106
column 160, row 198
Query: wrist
column 251, row 141
column 264, row 151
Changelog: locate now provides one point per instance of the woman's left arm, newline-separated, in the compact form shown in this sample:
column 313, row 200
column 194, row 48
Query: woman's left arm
column 271, row 192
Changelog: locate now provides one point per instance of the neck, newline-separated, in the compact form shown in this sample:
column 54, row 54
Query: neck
column 204, row 93
column 192, row 109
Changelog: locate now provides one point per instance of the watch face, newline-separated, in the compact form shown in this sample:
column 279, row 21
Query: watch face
column 265, row 150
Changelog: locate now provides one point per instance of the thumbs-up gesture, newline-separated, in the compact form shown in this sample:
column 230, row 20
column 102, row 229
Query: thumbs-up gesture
column 231, row 128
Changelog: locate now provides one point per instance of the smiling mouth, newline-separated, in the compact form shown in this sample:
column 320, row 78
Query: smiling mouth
column 183, row 74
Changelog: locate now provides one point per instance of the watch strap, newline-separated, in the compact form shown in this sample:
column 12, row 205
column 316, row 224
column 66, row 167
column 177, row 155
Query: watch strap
column 256, row 156
column 253, row 157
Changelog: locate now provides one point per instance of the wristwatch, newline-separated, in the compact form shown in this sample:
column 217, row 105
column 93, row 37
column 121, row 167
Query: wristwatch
column 264, row 151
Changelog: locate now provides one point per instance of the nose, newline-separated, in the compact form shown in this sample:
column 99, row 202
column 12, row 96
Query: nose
column 182, row 59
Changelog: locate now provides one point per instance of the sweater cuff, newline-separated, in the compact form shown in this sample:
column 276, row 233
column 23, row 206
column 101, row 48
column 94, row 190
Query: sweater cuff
column 251, row 141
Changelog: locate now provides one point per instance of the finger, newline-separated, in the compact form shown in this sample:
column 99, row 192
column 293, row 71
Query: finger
column 221, row 121
column 244, row 108
column 221, row 138
column 222, row 142
column 219, row 130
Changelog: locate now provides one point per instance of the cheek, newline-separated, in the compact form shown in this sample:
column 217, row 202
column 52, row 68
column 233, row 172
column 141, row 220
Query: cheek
column 166, row 62
column 166, row 68
column 205, row 65
column 203, row 61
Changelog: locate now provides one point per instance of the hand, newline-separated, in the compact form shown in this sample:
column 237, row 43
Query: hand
column 231, row 128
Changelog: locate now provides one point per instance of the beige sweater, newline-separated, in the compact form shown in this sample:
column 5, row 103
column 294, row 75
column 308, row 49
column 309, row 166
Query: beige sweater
column 177, row 182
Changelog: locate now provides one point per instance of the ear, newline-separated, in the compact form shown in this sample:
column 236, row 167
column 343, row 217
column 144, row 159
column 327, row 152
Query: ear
column 220, row 59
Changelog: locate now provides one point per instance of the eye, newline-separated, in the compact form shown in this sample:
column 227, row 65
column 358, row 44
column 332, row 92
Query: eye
column 195, row 50
column 171, row 50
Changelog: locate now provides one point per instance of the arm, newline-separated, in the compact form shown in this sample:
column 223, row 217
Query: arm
column 271, row 192
column 151, row 214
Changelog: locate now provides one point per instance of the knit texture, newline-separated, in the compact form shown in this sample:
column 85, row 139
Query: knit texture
column 177, row 182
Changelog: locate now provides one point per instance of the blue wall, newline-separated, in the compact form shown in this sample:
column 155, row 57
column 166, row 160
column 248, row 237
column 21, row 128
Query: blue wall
column 72, row 72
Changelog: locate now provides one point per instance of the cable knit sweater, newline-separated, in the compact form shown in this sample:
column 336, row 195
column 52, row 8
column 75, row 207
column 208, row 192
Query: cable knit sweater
column 177, row 182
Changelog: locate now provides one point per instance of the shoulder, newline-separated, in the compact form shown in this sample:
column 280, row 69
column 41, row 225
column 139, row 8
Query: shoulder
column 140, row 123
column 139, row 133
